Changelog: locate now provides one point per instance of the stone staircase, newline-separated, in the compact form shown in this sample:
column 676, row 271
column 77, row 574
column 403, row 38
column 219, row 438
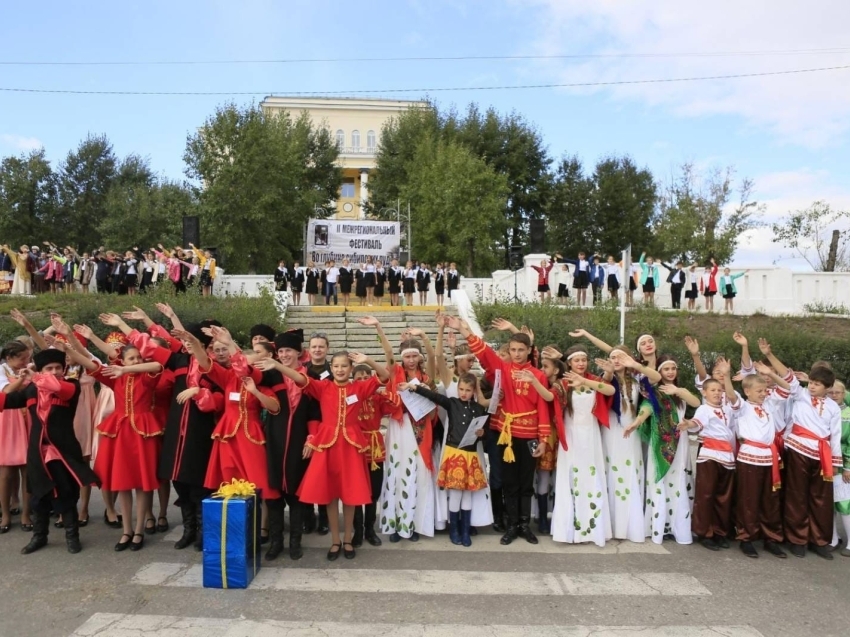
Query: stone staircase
column 344, row 332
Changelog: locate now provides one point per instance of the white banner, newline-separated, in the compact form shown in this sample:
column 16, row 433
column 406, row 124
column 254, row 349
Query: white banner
column 338, row 239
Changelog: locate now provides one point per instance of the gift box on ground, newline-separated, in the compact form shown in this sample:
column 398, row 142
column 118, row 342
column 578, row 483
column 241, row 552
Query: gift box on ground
column 231, row 553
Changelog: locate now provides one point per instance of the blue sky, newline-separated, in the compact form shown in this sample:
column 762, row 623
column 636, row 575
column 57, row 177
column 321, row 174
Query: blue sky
column 789, row 133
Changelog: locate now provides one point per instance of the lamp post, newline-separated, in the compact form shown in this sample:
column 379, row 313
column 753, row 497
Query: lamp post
column 399, row 215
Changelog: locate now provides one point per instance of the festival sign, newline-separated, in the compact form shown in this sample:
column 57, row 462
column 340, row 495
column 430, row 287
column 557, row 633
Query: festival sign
column 338, row 239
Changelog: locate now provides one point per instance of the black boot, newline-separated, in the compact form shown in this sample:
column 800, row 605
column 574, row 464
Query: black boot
column 71, row 521
column 524, row 531
column 275, row 528
column 190, row 526
column 40, row 529
column 296, row 523
column 497, row 503
column 543, row 511
column 369, row 531
column 199, row 528
column 309, row 514
column 357, row 538
column 512, row 524
column 322, row 528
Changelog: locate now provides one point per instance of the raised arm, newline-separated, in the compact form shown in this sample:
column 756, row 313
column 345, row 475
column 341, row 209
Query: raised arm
column 86, row 332
column 166, row 310
column 764, row 370
column 529, row 377
column 22, row 320
column 268, row 364
column 361, row 359
column 699, row 367
column 435, row 397
column 385, row 343
column 746, row 360
column 777, row 365
column 630, row 363
column 138, row 314
column 442, row 369
column 430, row 362
column 580, row 333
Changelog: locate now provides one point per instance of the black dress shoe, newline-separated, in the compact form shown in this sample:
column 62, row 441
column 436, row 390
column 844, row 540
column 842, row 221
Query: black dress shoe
column 774, row 549
column 333, row 555
column 275, row 549
column 722, row 542
column 372, row 538
column 162, row 524
column 395, row 537
column 15, row 511
column 823, row 551
column 113, row 524
column 150, row 530
column 526, row 533
column 123, row 546
column 27, row 528
column 414, row 537
column 323, row 529
column 349, row 554
column 137, row 546
column 710, row 544
column 748, row 549
column 5, row 528
column 798, row 550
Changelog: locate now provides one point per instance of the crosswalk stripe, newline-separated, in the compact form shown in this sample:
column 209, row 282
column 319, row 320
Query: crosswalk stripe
column 484, row 543
column 117, row 625
column 436, row 582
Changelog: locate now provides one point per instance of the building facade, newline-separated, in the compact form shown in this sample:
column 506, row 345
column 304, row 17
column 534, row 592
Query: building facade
column 356, row 125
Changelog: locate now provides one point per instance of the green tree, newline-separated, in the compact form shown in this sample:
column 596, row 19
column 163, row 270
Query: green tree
column 570, row 209
column 806, row 232
column 85, row 178
column 697, row 218
column 259, row 178
column 462, row 218
column 28, row 198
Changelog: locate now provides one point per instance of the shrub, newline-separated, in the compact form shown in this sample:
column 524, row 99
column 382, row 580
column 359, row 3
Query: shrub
column 798, row 342
column 237, row 313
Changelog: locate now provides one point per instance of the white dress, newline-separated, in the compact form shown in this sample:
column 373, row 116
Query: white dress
column 408, row 495
column 625, row 470
column 581, row 493
column 669, row 501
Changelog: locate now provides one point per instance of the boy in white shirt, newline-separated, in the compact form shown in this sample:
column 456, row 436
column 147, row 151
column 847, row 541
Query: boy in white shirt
column 813, row 452
column 715, row 480
column 758, row 512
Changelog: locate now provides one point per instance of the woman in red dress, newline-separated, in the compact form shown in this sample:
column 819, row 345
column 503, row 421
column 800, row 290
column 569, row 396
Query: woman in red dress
column 338, row 468
column 238, row 439
column 130, row 437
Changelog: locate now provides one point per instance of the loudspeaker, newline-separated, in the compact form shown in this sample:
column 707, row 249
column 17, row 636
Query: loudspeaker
column 537, row 235
column 516, row 259
column 191, row 230
column 403, row 257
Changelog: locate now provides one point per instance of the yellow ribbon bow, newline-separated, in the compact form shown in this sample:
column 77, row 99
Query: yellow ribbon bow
column 235, row 489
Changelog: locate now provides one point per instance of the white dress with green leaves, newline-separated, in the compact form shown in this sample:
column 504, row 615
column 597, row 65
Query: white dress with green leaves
column 581, row 512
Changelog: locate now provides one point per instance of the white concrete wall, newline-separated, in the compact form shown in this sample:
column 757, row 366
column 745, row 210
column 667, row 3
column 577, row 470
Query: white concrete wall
column 770, row 290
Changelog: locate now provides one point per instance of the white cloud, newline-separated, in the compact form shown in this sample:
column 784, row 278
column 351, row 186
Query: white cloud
column 21, row 143
column 810, row 109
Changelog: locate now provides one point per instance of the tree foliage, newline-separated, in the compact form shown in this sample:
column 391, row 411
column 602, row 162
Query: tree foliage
column 460, row 220
column 699, row 217
column 259, row 178
column 603, row 212
column 819, row 234
column 508, row 144
column 28, row 198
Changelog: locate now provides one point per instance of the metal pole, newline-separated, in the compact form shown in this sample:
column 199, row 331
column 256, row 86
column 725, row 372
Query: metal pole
column 627, row 262
column 409, row 242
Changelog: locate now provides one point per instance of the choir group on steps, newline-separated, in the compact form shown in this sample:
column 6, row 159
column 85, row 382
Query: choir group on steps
column 525, row 439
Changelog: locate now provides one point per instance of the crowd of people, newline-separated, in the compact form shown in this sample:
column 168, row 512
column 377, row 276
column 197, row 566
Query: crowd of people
column 645, row 275
column 32, row 270
column 370, row 280
column 419, row 443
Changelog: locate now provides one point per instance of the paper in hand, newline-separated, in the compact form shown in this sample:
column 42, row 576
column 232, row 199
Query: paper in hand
column 417, row 405
column 497, row 389
column 470, row 438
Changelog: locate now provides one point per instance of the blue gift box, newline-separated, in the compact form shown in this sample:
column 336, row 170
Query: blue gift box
column 231, row 552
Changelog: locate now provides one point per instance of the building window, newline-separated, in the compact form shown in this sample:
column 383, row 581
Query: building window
column 347, row 191
column 371, row 141
column 340, row 138
column 355, row 140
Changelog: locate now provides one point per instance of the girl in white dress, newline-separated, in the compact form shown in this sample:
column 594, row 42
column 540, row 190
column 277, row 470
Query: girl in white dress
column 623, row 453
column 669, row 474
column 581, row 512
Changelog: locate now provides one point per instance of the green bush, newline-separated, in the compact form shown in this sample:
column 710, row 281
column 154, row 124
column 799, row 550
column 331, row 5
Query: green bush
column 237, row 313
column 797, row 341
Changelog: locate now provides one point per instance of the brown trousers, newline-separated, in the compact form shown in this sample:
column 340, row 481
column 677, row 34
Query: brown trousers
column 808, row 501
column 712, row 500
column 758, row 513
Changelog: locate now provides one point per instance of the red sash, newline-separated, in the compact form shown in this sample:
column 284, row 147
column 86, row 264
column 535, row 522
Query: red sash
column 824, row 451
column 776, row 477
column 717, row 445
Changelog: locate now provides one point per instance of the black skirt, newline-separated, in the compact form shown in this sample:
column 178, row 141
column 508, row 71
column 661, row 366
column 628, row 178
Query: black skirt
column 394, row 283
column 360, row 285
column 312, row 284
column 380, row 279
column 370, row 279
column 613, row 283
column 729, row 293
column 581, row 280
column 409, row 285
column 206, row 280
column 693, row 292
column 563, row 291
column 130, row 280
column 632, row 284
column 649, row 286
column 543, row 288
column 440, row 287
